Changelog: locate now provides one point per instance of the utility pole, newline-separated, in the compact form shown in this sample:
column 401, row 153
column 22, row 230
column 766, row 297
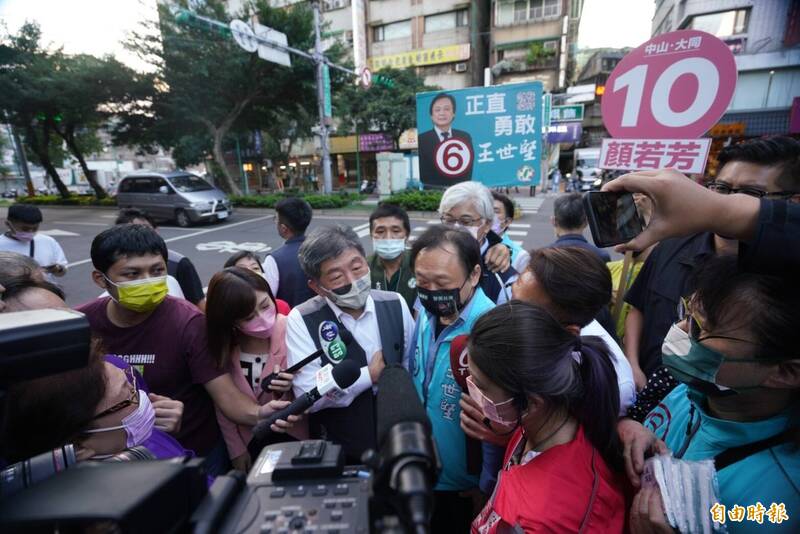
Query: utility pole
column 319, row 60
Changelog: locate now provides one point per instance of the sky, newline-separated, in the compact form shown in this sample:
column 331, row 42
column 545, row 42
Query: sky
column 615, row 23
column 81, row 26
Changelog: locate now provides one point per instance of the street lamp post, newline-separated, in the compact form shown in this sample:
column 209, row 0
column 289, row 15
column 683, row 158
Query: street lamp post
column 319, row 59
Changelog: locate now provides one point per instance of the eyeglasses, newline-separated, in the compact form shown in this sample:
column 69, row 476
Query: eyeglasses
column 461, row 221
column 685, row 312
column 725, row 189
column 133, row 399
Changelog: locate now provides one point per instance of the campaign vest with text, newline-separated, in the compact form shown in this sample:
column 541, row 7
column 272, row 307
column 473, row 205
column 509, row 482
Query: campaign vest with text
column 354, row 426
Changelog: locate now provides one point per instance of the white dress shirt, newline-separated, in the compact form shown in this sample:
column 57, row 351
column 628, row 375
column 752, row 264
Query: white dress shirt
column 300, row 343
column 271, row 274
column 627, row 387
column 439, row 133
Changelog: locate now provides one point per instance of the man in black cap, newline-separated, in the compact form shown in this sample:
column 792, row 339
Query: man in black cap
column 22, row 224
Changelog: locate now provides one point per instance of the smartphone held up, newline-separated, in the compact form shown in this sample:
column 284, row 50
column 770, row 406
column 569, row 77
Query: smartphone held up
column 613, row 217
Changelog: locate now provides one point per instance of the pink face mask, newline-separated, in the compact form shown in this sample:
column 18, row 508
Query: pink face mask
column 503, row 413
column 261, row 325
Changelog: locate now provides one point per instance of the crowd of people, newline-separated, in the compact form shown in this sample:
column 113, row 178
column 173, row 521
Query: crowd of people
column 575, row 375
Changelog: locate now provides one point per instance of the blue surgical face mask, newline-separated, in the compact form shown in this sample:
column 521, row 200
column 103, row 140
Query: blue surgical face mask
column 388, row 249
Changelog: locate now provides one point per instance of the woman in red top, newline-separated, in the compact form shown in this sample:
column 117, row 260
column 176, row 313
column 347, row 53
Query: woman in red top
column 557, row 393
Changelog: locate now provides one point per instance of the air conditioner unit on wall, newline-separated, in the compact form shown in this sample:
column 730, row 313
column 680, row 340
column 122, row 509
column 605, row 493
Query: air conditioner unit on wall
column 461, row 67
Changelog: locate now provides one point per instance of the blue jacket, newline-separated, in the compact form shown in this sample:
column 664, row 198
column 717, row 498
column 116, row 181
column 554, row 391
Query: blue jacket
column 429, row 362
column 769, row 476
column 577, row 240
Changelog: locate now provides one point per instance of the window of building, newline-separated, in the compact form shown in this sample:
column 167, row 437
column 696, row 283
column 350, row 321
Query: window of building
column 522, row 11
column 447, row 21
column 395, row 30
column 666, row 23
column 330, row 5
column 722, row 24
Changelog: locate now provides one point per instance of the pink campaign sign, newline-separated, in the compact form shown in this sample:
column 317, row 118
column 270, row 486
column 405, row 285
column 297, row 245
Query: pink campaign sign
column 674, row 86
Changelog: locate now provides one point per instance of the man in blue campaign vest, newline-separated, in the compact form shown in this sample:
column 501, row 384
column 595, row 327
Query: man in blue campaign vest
column 282, row 270
column 379, row 327
column 447, row 266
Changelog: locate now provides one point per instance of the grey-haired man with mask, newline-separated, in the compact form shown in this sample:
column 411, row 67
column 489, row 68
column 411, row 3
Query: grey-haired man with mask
column 347, row 320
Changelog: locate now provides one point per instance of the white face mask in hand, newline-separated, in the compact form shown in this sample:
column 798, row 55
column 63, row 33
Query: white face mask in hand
column 351, row 296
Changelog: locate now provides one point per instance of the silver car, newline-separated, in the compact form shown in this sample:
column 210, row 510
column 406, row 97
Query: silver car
column 180, row 196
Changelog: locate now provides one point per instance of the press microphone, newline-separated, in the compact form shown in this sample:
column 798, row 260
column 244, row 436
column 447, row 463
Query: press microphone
column 346, row 338
column 329, row 378
column 459, row 365
column 408, row 464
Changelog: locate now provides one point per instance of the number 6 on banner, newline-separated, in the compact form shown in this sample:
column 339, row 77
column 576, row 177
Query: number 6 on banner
column 675, row 86
column 453, row 157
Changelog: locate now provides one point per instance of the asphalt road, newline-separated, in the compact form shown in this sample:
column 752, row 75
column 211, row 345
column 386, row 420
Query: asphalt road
column 208, row 246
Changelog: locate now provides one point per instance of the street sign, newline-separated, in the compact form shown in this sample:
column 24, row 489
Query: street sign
column 674, row 86
column 326, row 87
column 270, row 53
column 567, row 113
column 244, row 35
column 366, row 78
column 546, row 109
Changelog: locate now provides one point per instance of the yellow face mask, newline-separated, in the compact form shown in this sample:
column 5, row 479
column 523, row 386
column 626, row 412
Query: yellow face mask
column 141, row 296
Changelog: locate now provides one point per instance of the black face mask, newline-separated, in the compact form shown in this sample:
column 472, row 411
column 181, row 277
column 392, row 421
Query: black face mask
column 441, row 302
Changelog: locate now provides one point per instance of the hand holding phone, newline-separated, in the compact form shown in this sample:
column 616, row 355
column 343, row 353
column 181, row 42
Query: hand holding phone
column 613, row 217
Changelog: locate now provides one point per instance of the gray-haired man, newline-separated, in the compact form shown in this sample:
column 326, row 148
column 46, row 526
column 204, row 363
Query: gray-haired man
column 379, row 322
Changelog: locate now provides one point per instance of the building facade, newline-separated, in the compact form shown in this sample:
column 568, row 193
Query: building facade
column 534, row 40
column 764, row 36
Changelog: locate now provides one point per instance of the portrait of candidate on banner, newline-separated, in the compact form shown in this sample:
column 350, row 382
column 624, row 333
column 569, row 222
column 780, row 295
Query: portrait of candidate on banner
column 442, row 113
column 491, row 135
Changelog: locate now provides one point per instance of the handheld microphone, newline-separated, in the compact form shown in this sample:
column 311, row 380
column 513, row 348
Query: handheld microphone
column 329, row 378
column 409, row 464
column 346, row 337
column 459, row 365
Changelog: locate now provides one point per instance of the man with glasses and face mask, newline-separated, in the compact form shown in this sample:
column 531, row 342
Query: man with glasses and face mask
column 446, row 263
column 469, row 205
column 765, row 168
column 346, row 320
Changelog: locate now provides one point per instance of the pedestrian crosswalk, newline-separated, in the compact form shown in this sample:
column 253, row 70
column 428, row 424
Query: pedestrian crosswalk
column 529, row 204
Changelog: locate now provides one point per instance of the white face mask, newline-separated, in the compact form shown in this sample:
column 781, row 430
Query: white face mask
column 676, row 342
column 353, row 296
column 138, row 426
column 473, row 230
column 388, row 249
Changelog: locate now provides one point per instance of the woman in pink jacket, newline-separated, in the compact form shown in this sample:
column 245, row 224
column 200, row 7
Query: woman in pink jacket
column 246, row 335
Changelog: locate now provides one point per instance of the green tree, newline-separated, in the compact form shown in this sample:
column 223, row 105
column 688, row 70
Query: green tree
column 24, row 98
column 207, row 87
column 381, row 108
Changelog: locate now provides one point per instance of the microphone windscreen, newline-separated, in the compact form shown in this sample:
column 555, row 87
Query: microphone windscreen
column 459, row 363
column 346, row 373
column 397, row 402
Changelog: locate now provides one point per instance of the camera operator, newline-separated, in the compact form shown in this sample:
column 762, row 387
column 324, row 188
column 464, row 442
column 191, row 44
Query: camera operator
column 165, row 336
column 563, row 467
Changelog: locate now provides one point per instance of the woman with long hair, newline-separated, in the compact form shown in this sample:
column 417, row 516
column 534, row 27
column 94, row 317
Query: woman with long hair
column 246, row 335
column 557, row 394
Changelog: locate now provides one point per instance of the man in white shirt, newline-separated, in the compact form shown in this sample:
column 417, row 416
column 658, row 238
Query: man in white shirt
column 347, row 320
column 22, row 237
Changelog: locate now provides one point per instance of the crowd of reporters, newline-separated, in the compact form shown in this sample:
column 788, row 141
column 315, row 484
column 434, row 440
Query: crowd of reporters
column 562, row 401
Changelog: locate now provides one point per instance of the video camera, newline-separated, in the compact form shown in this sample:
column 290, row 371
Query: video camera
column 292, row 487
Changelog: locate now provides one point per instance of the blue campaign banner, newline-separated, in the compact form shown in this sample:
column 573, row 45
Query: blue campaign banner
column 492, row 135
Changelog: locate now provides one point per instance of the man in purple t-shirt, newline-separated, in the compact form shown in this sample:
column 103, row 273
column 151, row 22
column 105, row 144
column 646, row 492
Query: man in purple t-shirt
column 163, row 337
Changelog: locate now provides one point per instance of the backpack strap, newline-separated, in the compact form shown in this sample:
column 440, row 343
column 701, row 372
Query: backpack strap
column 737, row 454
